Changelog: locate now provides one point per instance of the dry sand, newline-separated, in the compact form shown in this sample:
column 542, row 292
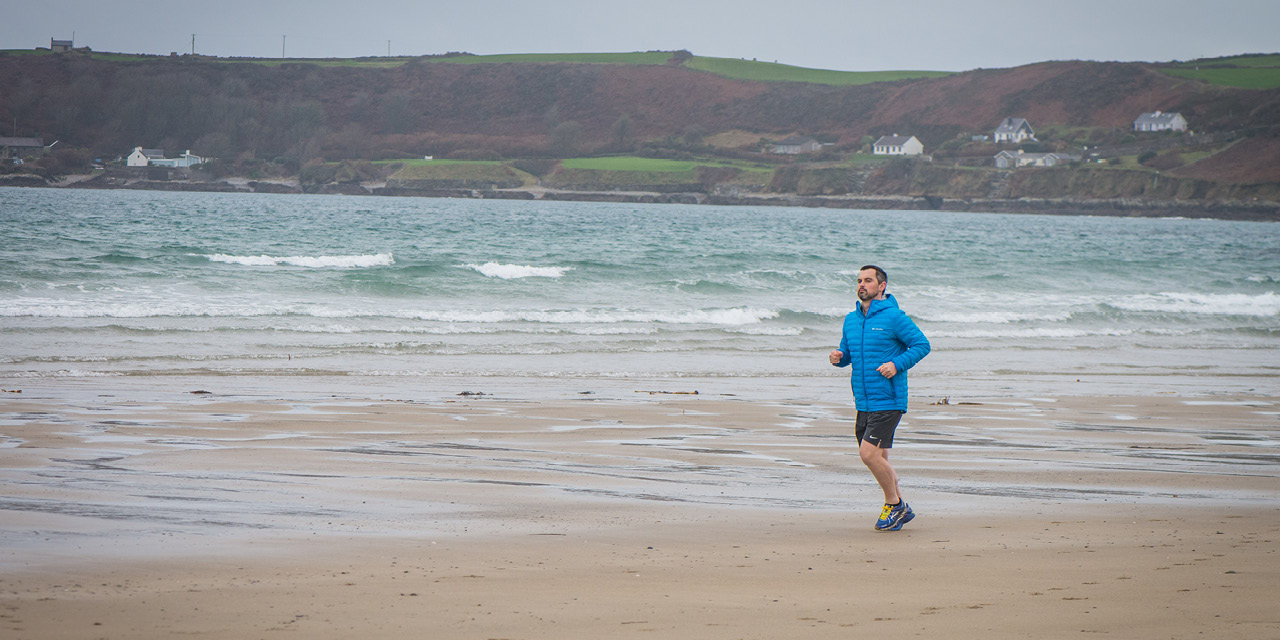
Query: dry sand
column 607, row 516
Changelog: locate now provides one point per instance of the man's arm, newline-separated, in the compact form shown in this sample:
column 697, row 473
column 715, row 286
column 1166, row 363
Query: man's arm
column 840, row 356
column 917, row 346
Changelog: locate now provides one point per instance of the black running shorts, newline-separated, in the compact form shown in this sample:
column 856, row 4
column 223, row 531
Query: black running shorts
column 877, row 427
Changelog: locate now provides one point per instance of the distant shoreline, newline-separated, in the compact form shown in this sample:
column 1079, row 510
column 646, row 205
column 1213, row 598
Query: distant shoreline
column 1118, row 207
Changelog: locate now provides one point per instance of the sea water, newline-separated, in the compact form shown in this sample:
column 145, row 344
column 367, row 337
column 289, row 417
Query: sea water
column 155, row 284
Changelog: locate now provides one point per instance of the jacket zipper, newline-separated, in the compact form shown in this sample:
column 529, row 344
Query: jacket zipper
column 862, row 348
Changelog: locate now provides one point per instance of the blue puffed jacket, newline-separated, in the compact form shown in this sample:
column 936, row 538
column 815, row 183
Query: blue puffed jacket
column 885, row 334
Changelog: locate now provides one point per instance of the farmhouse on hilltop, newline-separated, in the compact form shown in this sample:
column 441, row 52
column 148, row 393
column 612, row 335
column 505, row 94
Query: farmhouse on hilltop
column 1014, row 130
column 61, row 45
column 797, row 144
column 1160, row 121
column 896, row 145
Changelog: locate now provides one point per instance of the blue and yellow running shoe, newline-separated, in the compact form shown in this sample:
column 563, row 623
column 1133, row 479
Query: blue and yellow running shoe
column 892, row 517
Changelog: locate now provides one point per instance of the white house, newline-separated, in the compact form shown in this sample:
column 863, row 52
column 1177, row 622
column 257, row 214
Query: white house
column 896, row 145
column 797, row 144
column 181, row 162
column 1014, row 130
column 143, row 157
column 1014, row 159
column 1160, row 121
column 155, row 158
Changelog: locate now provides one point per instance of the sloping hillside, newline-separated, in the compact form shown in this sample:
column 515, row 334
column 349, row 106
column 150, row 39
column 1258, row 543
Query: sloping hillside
column 297, row 112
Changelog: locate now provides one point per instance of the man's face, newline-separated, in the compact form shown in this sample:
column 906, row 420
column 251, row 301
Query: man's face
column 868, row 287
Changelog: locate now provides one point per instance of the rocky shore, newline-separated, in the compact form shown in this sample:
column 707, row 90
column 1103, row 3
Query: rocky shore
column 1258, row 210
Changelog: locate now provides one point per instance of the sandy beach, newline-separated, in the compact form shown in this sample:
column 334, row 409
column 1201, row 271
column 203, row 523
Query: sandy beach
column 612, row 512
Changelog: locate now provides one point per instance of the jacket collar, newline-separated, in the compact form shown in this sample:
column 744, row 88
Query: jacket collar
column 877, row 305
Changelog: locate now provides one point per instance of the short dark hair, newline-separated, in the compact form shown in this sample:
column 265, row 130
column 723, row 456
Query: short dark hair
column 881, row 276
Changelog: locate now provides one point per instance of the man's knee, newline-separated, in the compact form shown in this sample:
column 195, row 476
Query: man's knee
column 870, row 453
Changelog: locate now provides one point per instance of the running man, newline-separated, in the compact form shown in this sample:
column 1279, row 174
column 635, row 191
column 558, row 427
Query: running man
column 881, row 343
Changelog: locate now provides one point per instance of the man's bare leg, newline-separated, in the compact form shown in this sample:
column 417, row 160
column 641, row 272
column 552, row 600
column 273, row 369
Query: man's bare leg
column 877, row 460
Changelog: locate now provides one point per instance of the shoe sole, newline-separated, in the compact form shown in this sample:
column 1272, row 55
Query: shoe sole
column 905, row 519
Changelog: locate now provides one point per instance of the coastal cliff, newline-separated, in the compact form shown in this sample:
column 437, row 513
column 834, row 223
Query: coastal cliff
column 359, row 127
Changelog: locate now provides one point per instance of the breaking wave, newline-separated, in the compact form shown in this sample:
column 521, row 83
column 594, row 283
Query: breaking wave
column 514, row 271
column 1231, row 304
column 313, row 262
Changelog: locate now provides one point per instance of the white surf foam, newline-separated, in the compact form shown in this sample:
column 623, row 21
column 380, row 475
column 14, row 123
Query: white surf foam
column 1034, row 332
column 38, row 308
column 313, row 262
column 732, row 317
column 515, row 271
column 1235, row 304
column 991, row 316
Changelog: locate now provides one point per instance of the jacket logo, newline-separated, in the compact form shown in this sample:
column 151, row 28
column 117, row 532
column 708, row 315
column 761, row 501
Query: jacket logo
column 877, row 328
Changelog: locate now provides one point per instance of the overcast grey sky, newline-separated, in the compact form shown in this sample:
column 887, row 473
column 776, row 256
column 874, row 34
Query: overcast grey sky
column 854, row 35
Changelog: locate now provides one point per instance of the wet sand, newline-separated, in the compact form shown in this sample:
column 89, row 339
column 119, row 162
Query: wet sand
column 618, row 514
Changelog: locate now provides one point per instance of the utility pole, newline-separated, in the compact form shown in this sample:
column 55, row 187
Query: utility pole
column 282, row 45
column 388, row 48
column 193, row 44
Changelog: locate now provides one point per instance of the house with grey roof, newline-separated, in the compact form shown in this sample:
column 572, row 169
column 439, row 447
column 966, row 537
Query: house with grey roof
column 1014, row 159
column 896, row 145
column 155, row 158
column 183, row 161
column 1014, row 130
column 20, row 147
column 1160, row 121
column 61, row 45
column 796, row 145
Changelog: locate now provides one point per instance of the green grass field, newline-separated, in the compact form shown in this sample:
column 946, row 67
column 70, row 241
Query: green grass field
column 613, row 178
column 270, row 62
column 633, row 170
column 419, row 162
column 648, row 57
column 456, row 170
column 604, row 172
column 726, row 67
column 774, row 72
column 628, row 163
column 863, row 159
column 1245, row 72
column 378, row 62
column 659, row 165
column 1250, row 78
column 1262, row 60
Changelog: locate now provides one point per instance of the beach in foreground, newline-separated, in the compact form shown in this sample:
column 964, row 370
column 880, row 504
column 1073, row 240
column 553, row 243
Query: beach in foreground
column 611, row 511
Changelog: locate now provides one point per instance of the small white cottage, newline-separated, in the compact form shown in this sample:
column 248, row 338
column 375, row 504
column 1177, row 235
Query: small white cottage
column 1160, row 121
column 896, row 145
column 143, row 157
